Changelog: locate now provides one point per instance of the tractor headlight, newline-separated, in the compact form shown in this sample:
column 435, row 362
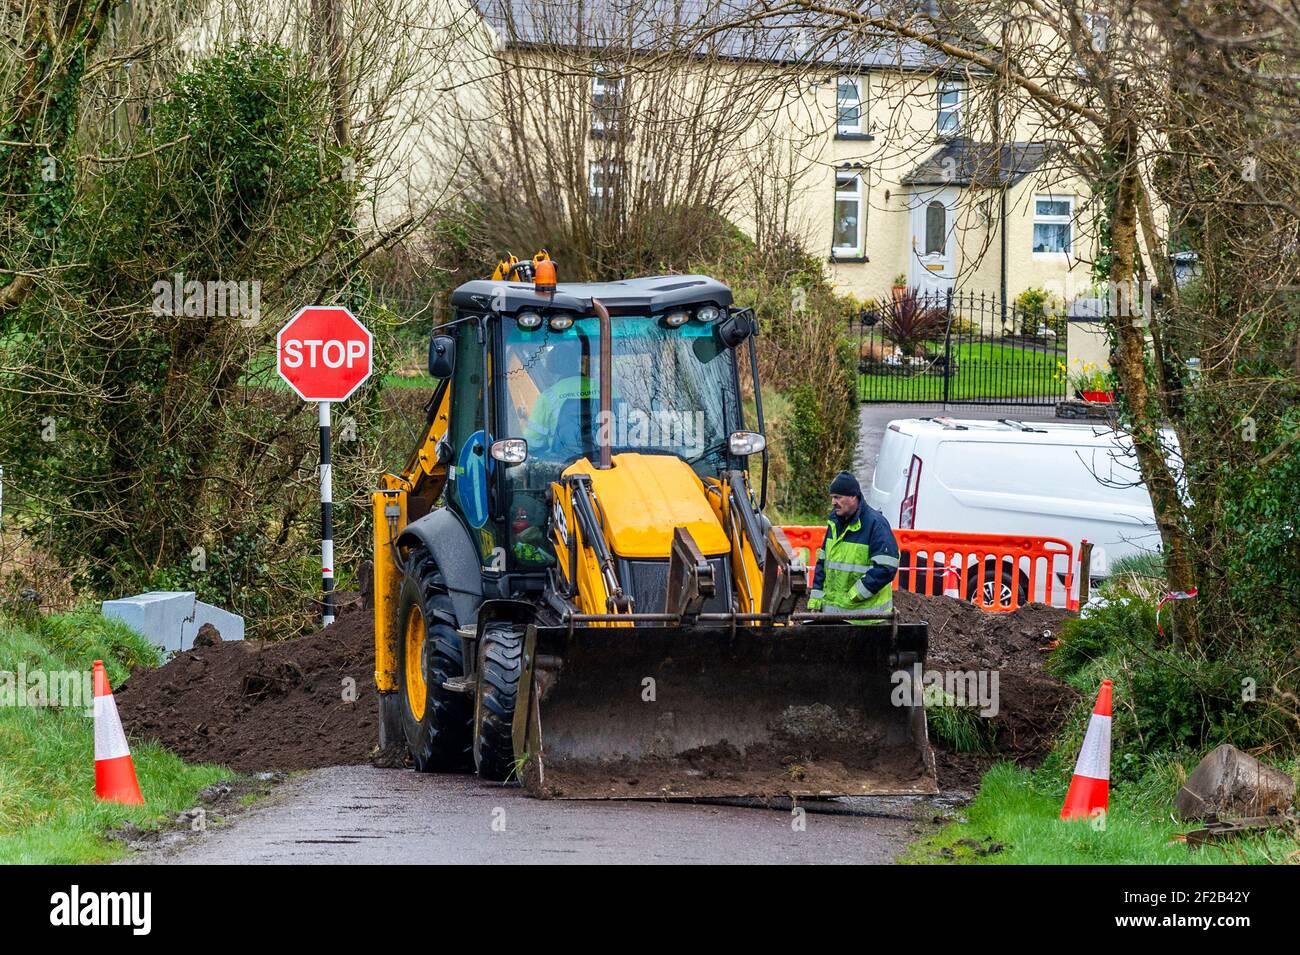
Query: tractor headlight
column 677, row 319
column 708, row 313
column 528, row 320
column 510, row 451
column 745, row 443
column 560, row 322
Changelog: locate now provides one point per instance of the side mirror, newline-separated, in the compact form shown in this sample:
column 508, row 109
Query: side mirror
column 510, row 451
column 442, row 356
column 735, row 328
column 745, row 443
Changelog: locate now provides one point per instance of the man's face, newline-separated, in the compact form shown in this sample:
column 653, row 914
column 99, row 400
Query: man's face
column 844, row 504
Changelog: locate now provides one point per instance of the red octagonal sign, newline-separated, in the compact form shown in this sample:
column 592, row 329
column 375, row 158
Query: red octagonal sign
column 324, row 353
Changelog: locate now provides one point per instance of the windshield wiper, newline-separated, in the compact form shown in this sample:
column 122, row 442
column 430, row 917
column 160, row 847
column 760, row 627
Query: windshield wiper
column 716, row 446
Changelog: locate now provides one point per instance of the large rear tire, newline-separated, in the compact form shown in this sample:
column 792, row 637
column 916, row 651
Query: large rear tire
column 436, row 722
column 500, row 662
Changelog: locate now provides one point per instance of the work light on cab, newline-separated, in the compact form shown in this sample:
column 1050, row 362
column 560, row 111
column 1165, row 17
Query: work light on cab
column 528, row 320
column 560, row 322
column 708, row 314
column 677, row 319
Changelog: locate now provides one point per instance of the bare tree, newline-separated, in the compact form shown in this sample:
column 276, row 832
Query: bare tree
column 616, row 146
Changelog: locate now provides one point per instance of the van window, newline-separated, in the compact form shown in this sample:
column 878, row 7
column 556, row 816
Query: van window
column 1098, row 474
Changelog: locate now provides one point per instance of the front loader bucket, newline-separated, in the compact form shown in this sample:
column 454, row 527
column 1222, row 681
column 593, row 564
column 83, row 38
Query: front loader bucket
column 706, row 711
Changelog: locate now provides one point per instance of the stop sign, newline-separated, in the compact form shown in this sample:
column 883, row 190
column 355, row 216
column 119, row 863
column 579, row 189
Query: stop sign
column 324, row 353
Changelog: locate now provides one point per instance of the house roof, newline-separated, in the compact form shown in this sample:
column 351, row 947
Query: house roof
column 962, row 162
column 724, row 28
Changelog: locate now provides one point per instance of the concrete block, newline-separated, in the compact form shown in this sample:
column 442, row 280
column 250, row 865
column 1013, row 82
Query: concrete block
column 170, row 619
column 230, row 625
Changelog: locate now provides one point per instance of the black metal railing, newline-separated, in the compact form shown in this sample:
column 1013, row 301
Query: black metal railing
column 961, row 347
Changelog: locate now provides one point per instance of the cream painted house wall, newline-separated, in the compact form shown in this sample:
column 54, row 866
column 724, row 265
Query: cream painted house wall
column 795, row 128
column 902, row 115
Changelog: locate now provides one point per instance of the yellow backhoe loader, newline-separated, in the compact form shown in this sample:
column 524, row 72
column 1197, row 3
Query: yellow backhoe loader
column 575, row 584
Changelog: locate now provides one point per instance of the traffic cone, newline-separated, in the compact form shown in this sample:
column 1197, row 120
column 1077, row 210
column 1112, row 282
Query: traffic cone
column 114, row 771
column 1090, row 786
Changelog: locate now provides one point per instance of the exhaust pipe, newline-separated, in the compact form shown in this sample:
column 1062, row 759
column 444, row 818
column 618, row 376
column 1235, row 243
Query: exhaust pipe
column 606, row 383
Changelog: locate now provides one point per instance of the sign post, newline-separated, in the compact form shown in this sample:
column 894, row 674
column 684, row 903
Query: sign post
column 324, row 354
column 326, row 519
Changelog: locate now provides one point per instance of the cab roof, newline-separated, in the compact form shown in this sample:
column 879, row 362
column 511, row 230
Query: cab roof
column 631, row 296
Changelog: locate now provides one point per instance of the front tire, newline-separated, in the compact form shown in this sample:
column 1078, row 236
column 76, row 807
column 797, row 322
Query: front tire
column 500, row 663
column 435, row 721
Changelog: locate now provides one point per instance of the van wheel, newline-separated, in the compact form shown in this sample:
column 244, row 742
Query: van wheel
column 997, row 587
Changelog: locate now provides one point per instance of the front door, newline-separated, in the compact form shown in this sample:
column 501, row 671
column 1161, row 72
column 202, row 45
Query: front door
column 932, row 259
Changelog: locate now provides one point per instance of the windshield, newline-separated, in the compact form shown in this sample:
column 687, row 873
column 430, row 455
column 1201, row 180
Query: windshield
column 674, row 390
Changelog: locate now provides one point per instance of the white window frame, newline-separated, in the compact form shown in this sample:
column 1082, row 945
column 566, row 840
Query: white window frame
column 855, row 251
column 842, row 128
column 612, row 168
column 944, row 88
column 1066, row 220
column 602, row 86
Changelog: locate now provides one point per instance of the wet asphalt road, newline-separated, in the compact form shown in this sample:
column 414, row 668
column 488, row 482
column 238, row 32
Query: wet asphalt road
column 354, row 815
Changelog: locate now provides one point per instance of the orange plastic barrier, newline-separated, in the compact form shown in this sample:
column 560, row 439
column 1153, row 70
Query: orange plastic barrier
column 997, row 572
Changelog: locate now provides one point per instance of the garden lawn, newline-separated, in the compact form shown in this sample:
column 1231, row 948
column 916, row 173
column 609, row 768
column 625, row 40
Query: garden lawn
column 984, row 370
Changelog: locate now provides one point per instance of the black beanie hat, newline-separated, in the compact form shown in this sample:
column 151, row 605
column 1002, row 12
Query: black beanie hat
column 846, row 484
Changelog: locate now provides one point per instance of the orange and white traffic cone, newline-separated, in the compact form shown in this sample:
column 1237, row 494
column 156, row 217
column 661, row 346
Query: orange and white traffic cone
column 1090, row 787
column 114, row 771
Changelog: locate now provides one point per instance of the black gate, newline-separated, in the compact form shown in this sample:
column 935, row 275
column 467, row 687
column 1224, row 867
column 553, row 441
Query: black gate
column 961, row 347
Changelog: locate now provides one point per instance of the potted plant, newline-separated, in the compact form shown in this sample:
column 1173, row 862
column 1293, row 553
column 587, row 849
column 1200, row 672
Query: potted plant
column 900, row 285
column 1092, row 383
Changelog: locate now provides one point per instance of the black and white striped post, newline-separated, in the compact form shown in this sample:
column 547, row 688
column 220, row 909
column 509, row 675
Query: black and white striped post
column 324, row 354
column 326, row 519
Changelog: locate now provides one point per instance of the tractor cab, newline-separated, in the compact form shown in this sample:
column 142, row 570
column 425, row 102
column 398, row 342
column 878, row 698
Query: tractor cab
column 673, row 382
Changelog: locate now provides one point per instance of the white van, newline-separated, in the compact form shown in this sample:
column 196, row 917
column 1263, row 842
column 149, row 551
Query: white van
column 1074, row 481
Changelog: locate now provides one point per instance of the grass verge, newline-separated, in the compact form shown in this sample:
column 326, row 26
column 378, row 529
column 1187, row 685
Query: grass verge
column 48, row 809
column 1171, row 707
column 1015, row 821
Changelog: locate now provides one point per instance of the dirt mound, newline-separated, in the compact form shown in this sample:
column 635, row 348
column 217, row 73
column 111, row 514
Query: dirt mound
column 255, row 705
column 1031, row 702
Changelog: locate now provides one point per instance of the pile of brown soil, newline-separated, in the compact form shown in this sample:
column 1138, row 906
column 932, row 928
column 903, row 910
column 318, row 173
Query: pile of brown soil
column 1031, row 703
column 256, row 705
column 281, row 705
